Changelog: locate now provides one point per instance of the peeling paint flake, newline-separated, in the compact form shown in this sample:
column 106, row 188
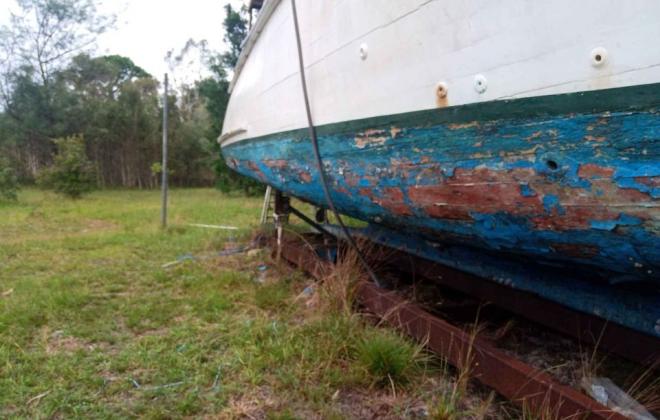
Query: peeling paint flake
column 370, row 138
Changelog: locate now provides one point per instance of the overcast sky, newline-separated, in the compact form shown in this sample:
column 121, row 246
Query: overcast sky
column 147, row 29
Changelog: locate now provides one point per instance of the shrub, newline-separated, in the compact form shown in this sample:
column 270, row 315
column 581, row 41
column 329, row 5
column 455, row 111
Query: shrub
column 71, row 174
column 8, row 180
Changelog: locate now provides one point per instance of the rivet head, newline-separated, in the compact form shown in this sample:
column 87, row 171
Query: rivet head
column 441, row 90
column 364, row 51
column 480, row 83
column 598, row 57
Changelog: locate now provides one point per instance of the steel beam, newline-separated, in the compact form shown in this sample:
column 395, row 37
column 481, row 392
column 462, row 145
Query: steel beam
column 584, row 327
column 513, row 379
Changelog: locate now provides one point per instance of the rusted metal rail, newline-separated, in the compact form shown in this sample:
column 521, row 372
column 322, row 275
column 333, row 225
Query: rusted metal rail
column 513, row 379
column 586, row 328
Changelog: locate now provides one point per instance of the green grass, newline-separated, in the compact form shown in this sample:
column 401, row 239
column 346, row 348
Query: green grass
column 389, row 358
column 91, row 325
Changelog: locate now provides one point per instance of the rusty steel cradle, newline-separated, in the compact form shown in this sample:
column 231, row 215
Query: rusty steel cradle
column 513, row 379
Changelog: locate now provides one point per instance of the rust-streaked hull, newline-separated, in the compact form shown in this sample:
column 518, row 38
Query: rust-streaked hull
column 569, row 178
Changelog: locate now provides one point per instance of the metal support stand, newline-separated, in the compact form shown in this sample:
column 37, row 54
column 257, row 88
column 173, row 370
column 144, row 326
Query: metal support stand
column 281, row 216
column 266, row 206
column 310, row 222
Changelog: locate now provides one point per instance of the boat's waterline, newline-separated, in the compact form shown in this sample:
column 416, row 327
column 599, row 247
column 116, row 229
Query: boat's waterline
column 571, row 177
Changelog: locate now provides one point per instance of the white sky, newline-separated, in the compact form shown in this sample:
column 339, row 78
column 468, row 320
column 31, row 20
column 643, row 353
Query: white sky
column 147, row 29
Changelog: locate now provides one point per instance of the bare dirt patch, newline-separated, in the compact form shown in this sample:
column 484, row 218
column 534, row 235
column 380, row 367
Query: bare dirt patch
column 59, row 341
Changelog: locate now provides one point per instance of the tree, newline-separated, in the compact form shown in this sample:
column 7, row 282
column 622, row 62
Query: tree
column 52, row 88
column 236, row 29
column 8, row 180
column 46, row 33
column 215, row 91
column 72, row 174
column 116, row 108
column 102, row 77
column 34, row 49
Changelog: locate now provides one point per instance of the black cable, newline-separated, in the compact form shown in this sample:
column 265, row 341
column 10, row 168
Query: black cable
column 319, row 161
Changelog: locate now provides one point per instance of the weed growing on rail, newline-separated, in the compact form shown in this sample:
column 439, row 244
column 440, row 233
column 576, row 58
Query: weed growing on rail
column 389, row 359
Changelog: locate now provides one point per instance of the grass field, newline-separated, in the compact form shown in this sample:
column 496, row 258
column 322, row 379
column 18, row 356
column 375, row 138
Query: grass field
column 92, row 325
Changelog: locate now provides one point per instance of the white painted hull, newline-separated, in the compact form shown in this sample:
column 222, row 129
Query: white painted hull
column 384, row 57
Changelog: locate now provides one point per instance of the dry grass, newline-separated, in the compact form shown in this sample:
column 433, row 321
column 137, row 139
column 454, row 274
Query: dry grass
column 645, row 387
column 642, row 385
column 337, row 290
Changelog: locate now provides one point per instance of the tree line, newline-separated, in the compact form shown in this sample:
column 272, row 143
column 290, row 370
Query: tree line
column 53, row 87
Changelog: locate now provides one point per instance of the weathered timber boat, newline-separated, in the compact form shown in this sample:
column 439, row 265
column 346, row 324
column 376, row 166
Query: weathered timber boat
column 526, row 130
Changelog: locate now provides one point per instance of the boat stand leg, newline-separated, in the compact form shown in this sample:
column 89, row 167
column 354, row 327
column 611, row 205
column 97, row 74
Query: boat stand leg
column 266, row 206
column 281, row 216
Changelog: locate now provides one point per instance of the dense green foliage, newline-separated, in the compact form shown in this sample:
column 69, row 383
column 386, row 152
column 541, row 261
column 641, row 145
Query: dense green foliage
column 71, row 174
column 56, row 88
column 214, row 90
column 8, row 180
column 236, row 29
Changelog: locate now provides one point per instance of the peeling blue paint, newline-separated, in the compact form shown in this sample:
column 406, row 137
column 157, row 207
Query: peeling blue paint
column 623, row 149
column 527, row 191
column 623, row 220
column 551, row 202
column 631, row 308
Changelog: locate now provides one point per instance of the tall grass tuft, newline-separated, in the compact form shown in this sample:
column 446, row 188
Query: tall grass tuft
column 338, row 288
column 645, row 388
column 389, row 358
column 451, row 402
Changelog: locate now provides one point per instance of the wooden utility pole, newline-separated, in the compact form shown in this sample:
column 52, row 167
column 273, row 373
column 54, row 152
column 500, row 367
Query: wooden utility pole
column 163, row 210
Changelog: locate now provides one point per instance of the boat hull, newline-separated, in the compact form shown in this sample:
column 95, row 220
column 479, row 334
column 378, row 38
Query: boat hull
column 569, row 178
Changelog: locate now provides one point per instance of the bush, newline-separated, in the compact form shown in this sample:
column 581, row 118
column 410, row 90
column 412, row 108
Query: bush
column 8, row 180
column 71, row 174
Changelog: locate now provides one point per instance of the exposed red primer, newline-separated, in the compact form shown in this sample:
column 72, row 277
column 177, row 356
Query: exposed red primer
column 651, row 181
column 305, row 177
column 576, row 250
column 488, row 191
column 276, row 163
column 448, row 212
column 482, row 191
column 573, row 218
column 391, row 199
column 255, row 168
column 590, row 170
column 352, row 180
